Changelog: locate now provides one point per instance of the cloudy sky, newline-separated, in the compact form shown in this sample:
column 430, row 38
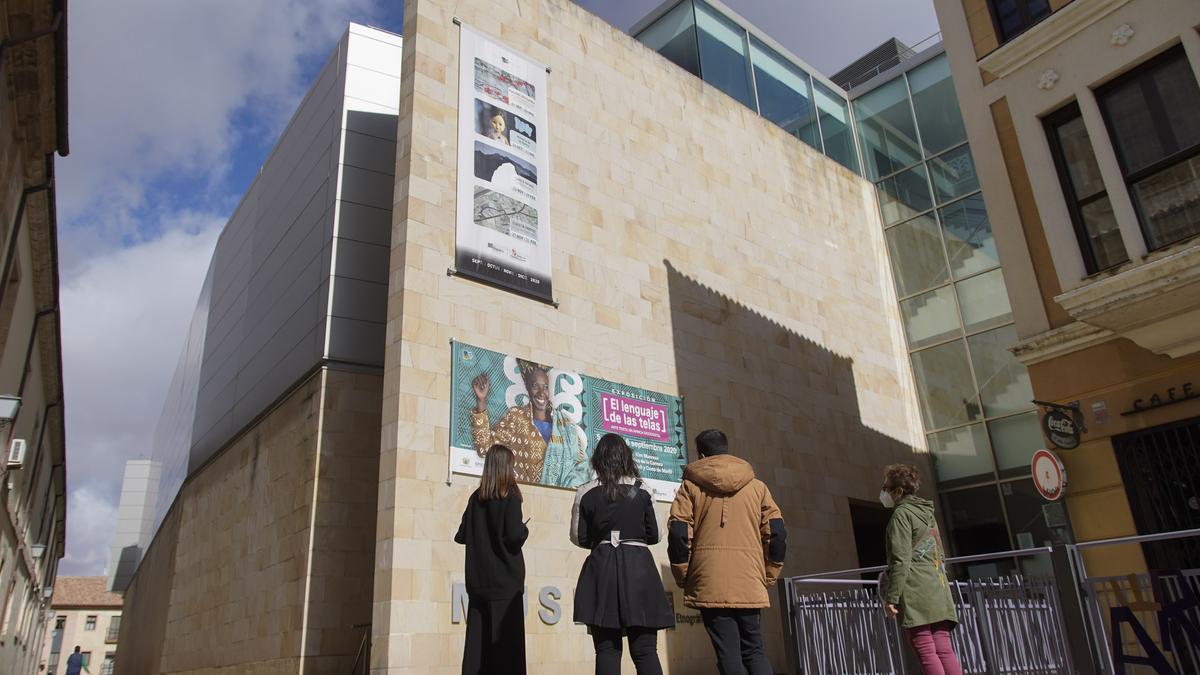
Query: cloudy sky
column 173, row 107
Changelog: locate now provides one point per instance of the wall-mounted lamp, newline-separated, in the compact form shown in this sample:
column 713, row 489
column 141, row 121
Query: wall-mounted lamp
column 9, row 406
column 38, row 550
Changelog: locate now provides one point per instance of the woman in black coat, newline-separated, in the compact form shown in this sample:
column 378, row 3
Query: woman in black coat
column 619, row 590
column 493, row 533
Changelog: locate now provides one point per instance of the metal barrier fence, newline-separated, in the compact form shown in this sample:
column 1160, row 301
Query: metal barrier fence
column 1065, row 622
column 1147, row 622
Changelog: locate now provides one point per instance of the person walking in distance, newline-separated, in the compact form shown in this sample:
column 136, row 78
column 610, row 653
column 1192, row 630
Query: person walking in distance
column 619, row 591
column 75, row 663
column 493, row 533
column 916, row 589
column 726, row 543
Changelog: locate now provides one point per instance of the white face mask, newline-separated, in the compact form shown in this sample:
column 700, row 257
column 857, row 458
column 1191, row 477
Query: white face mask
column 886, row 499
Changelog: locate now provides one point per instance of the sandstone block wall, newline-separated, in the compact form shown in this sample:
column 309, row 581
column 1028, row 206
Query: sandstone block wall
column 264, row 563
column 697, row 249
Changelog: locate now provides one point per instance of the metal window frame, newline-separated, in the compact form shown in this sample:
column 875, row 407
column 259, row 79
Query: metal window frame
column 1027, row 22
column 755, row 42
column 722, row 16
column 1052, row 123
column 1157, row 111
column 995, row 479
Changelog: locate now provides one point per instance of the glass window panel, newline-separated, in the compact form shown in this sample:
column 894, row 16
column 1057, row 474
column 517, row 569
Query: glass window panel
column 1003, row 382
column 968, row 234
column 1014, row 440
column 975, row 521
column 936, row 105
column 784, row 93
column 723, row 61
column 886, row 129
column 930, row 318
column 944, row 385
column 984, row 301
column 961, row 455
column 1169, row 202
column 1083, row 187
column 953, row 174
column 915, row 249
column 1015, row 16
column 1152, row 112
column 1076, row 147
column 674, row 36
column 1103, row 233
column 904, row 195
column 1032, row 526
column 834, row 116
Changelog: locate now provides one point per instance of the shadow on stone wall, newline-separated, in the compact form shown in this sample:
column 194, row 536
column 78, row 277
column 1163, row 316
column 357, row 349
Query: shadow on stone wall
column 790, row 407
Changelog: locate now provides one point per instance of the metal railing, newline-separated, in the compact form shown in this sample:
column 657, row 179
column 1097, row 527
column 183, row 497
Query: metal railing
column 1060, row 622
column 1006, row 625
column 1156, row 614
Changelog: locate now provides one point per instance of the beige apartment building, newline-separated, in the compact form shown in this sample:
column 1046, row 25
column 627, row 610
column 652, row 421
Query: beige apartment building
column 1084, row 117
column 84, row 614
column 33, row 127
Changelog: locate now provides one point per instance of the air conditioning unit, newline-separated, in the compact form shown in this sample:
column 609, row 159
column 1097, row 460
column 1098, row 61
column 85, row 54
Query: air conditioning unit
column 16, row 453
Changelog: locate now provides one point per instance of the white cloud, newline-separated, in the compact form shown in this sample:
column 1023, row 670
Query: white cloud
column 167, row 90
column 125, row 316
column 89, row 525
column 163, row 96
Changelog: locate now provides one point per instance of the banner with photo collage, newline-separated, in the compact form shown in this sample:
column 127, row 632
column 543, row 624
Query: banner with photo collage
column 502, row 229
column 490, row 402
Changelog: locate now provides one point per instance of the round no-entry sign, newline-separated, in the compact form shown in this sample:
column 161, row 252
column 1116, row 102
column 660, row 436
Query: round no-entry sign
column 1049, row 476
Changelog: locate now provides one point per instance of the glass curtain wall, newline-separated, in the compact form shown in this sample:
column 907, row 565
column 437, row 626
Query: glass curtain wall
column 981, row 426
column 698, row 38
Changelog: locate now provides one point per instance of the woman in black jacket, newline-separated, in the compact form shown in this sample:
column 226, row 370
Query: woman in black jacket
column 493, row 533
column 619, row 590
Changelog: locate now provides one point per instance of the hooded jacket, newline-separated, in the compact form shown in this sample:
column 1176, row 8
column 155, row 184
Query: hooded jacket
column 726, row 539
column 917, row 579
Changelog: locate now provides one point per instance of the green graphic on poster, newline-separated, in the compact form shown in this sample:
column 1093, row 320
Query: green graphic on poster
column 552, row 418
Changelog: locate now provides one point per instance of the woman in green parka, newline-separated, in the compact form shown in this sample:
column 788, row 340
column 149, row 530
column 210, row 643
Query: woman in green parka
column 917, row 590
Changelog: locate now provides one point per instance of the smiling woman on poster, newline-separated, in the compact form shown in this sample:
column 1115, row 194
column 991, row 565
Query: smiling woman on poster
column 549, row 446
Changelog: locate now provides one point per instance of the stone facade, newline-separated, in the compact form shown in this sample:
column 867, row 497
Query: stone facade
column 33, row 494
column 697, row 249
column 264, row 563
column 1106, row 338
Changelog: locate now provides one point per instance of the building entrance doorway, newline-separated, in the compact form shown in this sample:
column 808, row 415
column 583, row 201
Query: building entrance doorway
column 870, row 525
column 1161, row 470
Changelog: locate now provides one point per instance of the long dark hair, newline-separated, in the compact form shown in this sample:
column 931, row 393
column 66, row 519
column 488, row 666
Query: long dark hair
column 613, row 460
column 499, row 477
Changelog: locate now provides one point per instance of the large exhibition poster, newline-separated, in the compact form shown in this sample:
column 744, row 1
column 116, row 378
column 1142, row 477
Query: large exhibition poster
column 552, row 418
column 502, row 229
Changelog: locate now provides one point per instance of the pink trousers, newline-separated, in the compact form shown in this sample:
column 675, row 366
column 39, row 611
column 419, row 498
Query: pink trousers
column 932, row 645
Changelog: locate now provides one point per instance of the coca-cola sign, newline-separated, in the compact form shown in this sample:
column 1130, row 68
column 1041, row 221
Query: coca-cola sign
column 1061, row 429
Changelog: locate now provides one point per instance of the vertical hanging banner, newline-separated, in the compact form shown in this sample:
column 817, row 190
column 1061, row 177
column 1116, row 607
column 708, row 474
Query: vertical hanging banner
column 502, row 233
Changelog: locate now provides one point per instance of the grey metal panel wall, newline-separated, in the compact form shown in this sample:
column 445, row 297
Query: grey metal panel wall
column 358, row 311
column 270, row 294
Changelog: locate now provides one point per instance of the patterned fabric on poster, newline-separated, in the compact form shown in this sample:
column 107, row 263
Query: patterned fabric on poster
column 566, row 461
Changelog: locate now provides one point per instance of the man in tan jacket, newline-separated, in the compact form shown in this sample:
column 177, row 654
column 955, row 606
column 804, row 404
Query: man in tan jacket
column 726, row 543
